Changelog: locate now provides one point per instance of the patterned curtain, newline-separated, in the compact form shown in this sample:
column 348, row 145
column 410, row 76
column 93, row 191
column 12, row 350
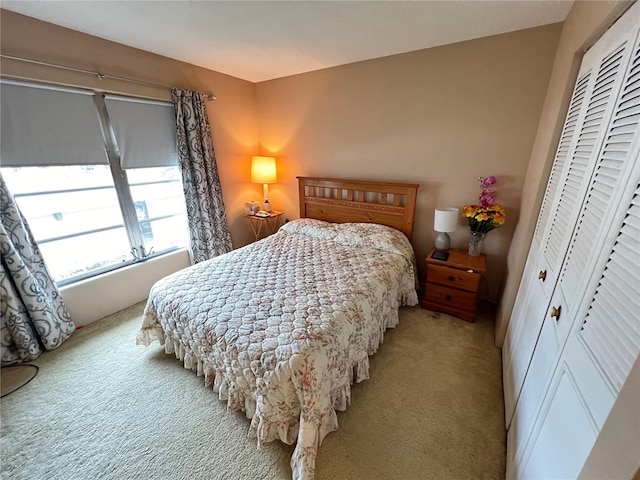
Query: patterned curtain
column 208, row 227
column 34, row 318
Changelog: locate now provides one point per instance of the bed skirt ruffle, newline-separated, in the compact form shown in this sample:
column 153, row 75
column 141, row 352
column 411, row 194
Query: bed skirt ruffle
column 309, row 437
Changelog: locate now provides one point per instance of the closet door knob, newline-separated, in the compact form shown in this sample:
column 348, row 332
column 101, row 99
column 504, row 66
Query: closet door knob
column 555, row 312
column 542, row 275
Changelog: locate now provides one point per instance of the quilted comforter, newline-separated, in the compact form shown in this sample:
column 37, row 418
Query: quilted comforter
column 282, row 327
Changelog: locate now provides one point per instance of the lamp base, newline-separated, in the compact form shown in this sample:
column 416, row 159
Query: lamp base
column 443, row 241
column 267, row 206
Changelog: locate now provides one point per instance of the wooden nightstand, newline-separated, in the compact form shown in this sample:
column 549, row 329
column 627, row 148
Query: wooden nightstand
column 266, row 225
column 452, row 285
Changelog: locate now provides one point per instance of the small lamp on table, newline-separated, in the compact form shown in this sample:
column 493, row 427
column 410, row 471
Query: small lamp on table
column 263, row 170
column 445, row 222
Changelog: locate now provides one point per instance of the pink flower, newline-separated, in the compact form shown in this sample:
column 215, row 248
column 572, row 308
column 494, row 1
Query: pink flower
column 488, row 193
column 487, row 200
column 307, row 378
column 485, row 182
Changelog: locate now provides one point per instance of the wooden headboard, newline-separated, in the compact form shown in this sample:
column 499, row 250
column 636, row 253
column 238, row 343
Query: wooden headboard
column 340, row 201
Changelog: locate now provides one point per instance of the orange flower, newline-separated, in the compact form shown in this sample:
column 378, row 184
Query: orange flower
column 484, row 219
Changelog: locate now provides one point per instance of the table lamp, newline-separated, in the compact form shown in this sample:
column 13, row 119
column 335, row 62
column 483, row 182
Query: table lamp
column 444, row 222
column 263, row 170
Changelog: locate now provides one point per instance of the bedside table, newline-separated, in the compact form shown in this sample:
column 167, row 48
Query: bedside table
column 268, row 225
column 452, row 285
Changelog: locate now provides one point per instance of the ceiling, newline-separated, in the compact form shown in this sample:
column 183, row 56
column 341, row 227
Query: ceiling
column 262, row 40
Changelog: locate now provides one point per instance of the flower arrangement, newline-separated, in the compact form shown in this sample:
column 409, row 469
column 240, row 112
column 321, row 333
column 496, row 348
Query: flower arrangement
column 488, row 214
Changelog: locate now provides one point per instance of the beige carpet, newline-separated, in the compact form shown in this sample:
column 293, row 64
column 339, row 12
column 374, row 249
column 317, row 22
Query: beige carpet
column 102, row 407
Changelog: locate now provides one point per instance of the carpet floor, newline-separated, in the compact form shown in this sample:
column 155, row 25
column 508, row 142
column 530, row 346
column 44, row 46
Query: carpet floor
column 102, row 407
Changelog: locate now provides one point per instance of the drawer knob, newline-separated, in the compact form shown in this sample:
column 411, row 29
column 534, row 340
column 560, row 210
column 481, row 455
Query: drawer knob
column 555, row 312
column 542, row 275
column 452, row 278
column 447, row 297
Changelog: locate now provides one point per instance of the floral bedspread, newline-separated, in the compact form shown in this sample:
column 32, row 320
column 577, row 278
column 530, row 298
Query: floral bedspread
column 282, row 327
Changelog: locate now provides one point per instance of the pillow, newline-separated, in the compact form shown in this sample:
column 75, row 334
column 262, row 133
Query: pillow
column 366, row 235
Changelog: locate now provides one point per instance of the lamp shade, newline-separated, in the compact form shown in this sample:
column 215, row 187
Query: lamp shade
column 263, row 170
column 446, row 219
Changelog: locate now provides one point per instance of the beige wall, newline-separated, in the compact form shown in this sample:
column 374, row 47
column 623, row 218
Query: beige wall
column 584, row 25
column 232, row 116
column 94, row 298
column 439, row 117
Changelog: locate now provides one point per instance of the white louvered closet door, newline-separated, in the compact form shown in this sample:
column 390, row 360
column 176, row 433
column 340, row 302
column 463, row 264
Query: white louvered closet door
column 590, row 110
column 607, row 341
column 613, row 50
column 565, row 148
column 528, row 310
column 615, row 178
column 601, row 349
column 615, row 166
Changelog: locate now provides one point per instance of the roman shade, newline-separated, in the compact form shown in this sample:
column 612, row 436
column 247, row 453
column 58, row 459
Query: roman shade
column 48, row 126
column 145, row 131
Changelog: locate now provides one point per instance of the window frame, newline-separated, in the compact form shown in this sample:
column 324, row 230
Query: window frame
column 130, row 221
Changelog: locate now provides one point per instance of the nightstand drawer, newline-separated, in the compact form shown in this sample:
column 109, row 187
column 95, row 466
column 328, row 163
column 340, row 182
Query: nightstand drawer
column 453, row 278
column 450, row 297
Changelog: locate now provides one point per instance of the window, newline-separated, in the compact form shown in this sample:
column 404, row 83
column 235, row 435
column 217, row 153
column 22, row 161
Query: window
column 159, row 203
column 96, row 177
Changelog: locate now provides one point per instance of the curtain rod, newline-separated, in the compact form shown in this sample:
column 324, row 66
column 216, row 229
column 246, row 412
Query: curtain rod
column 98, row 75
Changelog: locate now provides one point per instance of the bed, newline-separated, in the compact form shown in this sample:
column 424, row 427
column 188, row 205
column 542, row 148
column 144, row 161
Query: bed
column 281, row 328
